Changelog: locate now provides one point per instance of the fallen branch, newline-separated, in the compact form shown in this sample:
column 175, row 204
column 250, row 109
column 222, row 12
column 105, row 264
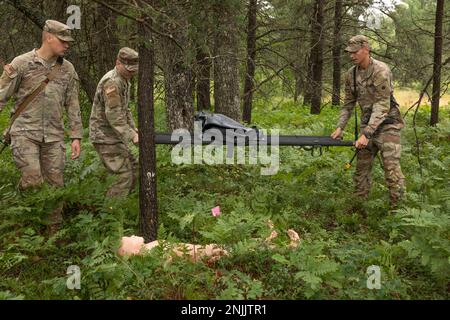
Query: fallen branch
column 139, row 20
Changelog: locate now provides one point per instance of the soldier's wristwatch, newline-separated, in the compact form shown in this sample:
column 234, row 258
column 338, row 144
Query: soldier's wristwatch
column 367, row 135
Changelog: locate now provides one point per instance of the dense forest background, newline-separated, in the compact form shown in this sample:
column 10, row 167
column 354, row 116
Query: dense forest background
column 221, row 55
column 271, row 63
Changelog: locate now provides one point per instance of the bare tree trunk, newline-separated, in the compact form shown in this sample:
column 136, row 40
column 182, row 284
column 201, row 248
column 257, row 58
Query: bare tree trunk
column 148, row 208
column 31, row 13
column 226, row 68
column 299, row 83
column 88, row 83
column 317, row 40
column 106, row 42
column 203, row 60
column 203, row 85
column 337, row 48
column 56, row 9
column 133, row 90
column 177, row 68
column 308, row 88
column 434, row 119
column 178, row 83
column 249, row 85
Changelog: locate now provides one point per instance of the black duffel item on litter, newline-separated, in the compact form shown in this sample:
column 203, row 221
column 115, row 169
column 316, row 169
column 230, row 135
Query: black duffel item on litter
column 224, row 123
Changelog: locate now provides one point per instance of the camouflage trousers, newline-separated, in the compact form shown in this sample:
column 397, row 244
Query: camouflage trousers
column 388, row 143
column 39, row 162
column 119, row 161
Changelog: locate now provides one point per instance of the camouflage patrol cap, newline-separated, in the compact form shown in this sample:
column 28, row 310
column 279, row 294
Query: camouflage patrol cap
column 129, row 58
column 59, row 29
column 357, row 42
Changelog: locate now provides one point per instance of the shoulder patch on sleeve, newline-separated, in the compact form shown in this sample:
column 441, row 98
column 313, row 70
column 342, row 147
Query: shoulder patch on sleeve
column 10, row 71
column 110, row 90
column 382, row 84
column 381, row 78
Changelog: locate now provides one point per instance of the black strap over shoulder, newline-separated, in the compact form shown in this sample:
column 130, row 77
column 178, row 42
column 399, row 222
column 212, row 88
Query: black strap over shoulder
column 50, row 77
column 355, row 94
column 393, row 104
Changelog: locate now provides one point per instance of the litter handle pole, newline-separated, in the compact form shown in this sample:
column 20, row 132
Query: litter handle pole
column 324, row 141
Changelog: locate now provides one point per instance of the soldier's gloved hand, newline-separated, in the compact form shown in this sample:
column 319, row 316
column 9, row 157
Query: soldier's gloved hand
column 337, row 134
column 76, row 148
column 136, row 139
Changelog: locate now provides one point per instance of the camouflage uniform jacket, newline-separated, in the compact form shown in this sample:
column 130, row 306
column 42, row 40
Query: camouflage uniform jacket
column 374, row 86
column 42, row 120
column 111, row 120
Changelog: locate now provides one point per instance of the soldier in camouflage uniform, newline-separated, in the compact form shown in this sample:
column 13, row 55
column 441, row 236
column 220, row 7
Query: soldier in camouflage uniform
column 111, row 126
column 37, row 135
column 380, row 123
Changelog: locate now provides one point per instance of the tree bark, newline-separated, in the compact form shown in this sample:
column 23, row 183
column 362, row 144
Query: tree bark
column 178, row 83
column 249, row 85
column 226, row 67
column 299, row 81
column 337, row 48
column 317, row 40
column 203, row 85
column 203, row 60
column 177, row 68
column 308, row 87
column 56, row 9
column 107, row 42
column 434, row 119
column 31, row 13
column 148, row 208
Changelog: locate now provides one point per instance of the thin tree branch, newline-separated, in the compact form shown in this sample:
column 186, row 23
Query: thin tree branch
column 138, row 20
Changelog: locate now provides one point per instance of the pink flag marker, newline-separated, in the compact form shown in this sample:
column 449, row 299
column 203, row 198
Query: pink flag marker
column 215, row 211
